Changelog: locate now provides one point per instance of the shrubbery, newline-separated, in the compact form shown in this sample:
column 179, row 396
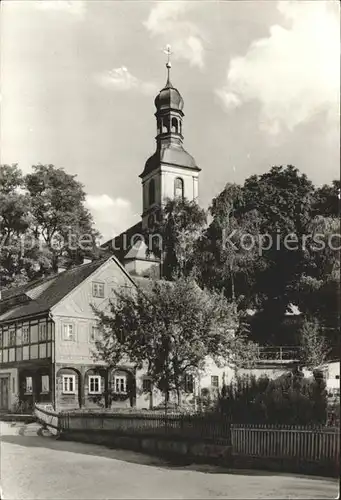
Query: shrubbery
column 290, row 400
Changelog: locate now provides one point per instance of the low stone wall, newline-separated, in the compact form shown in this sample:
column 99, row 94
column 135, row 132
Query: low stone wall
column 178, row 449
column 189, row 451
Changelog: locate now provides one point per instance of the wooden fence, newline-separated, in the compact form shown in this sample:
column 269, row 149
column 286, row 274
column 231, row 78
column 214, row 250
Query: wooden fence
column 286, row 442
column 47, row 416
column 307, row 445
column 175, row 425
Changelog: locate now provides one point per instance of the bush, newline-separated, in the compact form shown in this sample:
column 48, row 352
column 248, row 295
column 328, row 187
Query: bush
column 289, row 400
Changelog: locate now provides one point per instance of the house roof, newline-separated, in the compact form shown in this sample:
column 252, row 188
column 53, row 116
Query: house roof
column 40, row 296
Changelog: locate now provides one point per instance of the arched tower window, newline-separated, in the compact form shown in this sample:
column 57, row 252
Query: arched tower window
column 175, row 125
column 179, row 188
column 151, row 221
column 151, row 192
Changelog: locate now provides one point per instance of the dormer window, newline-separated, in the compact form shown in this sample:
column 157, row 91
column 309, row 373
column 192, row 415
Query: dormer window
column 151, row 192
column 179, row 188
column 98, row 290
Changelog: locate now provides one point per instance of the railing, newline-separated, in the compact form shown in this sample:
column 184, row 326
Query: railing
column 278, row 353
column 215, row 429
column 292, row 442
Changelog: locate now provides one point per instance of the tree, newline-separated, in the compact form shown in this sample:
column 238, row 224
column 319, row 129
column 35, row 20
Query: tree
column 43, row 223
column 221, row 260
column 313, row 345
column 328, row 200
column 265, row 270
column 15, row 219
column 179, row 225
column 317, row 291
column 290, row 399
column 60, row 217
column 172, row 328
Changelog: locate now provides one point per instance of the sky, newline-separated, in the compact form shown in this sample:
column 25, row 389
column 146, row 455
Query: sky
column 260, row 82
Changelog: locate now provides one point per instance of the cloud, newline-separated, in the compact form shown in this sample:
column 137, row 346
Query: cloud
column 122, row 80
column 294, row 73
column 74, row 7
column 111, row 215
column 184, row 36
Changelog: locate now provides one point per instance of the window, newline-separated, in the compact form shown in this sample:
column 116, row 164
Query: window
column 94, row 331
column 28, row 385
column 45, row 383
column 98, row 290
column 25, row 337
column 69, row 385
column 1, row 338
column 11, row 337
column 178, row 188
column 175, row 126
column 151, row 192
column 146, row 385
column 151, row 221
column 120, row 384
column 337, row 377
column 68, row 331
column 42, row 331
column 189, row 385
column 215, row 381
column 94, row 384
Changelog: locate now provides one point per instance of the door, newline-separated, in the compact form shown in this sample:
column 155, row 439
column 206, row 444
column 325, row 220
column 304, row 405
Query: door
column 4, row 388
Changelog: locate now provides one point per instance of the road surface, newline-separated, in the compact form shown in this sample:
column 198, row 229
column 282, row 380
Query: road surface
column 35, row 467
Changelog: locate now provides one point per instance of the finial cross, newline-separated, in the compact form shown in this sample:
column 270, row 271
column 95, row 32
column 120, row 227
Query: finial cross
column 168, row 52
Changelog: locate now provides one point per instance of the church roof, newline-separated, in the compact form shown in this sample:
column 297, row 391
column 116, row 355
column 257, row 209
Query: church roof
column 169, row 98
column 170, row 154
column 122, row 243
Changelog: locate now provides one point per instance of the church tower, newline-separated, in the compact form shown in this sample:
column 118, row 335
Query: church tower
column 170, row 172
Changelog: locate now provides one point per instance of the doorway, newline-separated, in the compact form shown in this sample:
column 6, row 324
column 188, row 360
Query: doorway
column 4, row 393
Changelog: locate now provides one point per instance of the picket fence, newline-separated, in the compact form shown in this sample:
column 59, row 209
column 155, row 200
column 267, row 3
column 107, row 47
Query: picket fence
column 319, row 444
column 173, row 425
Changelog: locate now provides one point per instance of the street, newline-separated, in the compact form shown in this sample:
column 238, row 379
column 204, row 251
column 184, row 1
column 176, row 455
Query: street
column 36, row 467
